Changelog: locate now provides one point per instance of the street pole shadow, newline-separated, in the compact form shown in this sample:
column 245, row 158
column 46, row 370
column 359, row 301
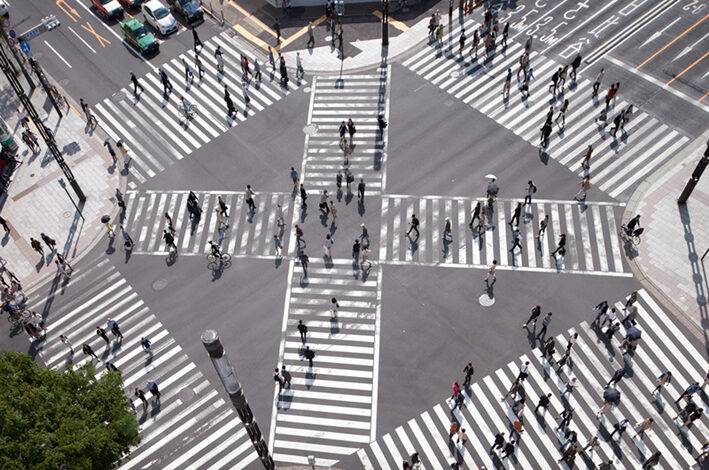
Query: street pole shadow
column 698, row 275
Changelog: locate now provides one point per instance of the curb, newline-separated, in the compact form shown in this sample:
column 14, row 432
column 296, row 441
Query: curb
column 630, row 209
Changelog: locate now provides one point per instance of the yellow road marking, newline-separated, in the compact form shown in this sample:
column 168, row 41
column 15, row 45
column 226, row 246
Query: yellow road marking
column 100, row 38
column 245, row 33
column 672, row 42
column 249, row 16
column 75, row 110
column 301, row 32
column 70, row 12
column 700, row 99
column 397, row 24
column 692, row 65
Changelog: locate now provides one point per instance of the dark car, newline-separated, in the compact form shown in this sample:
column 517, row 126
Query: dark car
column 190, row 10
column 109, row 9
column 131, row 4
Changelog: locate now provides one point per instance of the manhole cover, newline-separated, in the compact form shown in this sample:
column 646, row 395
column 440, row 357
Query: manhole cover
column 186, row 394
column 306, row 90
column 310, row 129
column 486, row 301
column 455, row 73
column 67, row 214
column 159, row 284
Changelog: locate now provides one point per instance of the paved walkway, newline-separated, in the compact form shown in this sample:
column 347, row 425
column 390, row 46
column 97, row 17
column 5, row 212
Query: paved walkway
column 36, row 202
column 668, row 260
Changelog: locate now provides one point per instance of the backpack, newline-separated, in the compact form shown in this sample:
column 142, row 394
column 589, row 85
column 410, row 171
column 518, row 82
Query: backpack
column 534, row 189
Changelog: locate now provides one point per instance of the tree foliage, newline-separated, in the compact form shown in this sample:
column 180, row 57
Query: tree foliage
column 70, row 419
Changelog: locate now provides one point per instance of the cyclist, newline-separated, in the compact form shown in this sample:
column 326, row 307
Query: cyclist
column 216, row 252
column 187, row 108
column 632, row 224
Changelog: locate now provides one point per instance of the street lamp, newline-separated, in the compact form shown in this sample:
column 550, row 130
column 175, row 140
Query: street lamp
column 694, row 179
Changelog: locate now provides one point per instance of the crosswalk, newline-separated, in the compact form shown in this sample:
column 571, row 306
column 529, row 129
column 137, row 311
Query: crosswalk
column 663, row 347
column 248, row 234
column 360, row 97
column 330, row 410
column 172, row 432
column 617, row 166
column 592, row 238
column 152, row 127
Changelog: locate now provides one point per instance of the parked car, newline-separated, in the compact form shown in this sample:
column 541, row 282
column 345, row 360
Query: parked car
column 109, row 9
column 190, row 10
column 3, row 9
column 159, row 17
column 137, row 35
column 131, row 4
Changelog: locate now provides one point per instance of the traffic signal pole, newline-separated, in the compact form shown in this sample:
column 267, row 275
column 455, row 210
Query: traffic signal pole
column 694, row 179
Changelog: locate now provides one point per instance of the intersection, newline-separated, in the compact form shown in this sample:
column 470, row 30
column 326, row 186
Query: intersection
column 408, row 324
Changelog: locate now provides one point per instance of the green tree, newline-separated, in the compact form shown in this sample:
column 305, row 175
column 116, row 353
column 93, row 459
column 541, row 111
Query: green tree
column 71, row 419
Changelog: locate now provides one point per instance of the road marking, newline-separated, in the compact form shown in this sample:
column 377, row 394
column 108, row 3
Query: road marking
column 71, row 12
column 91, row 30
column 254, row 39
column 395, row 23
column 672, row 42
column 657, row 82
column 82, row 40
column 251, row 17
column 702, row 98
column 58, row 55
column 300, row 32
column 690, row 47
column 690, row 66
column 657, row 34
column 608, row 5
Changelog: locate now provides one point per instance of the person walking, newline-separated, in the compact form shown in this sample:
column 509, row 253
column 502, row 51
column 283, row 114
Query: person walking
column 507, row 83
column 189, row 76
column 87, row 350
column 311, row 37
column 145, row 344
column 230, row 108
column 304, row 263
column 586, row 162
column 152, row 387
column 324, row 208
column 523, row 372
column 169, row 239
column 536, row 311
column 286, row 377
column 554, row 81
column 565, row 417
column 115, row 329
column 355, row 250
column 688, row 392
column 351, row 129
column 249, row 196
column 139, row 393
column 49, row 241
column 476, row 214
column 545, row 324
column 616, row 124
column 462, row 438
column 562, row 113
column 662, row 379
column 303, row 330
column 560, row 247
column 476, row 42
column 548, row 350
column 334, row 307
column 102, row 333
column 329, row 242
column 37, row 246
column 136, row 85
column 3, row 222
column 278, row 378
column 294, row 177
column 333, row 211
column 642, row 426
column 531, row 189
column 517, row 240
column 166, row 84
column 544, row 136
column 505, row 33
column 609, row 95
column 197, row 42
column 574, row 66
column 543, row 226
column 544, row 403
column 617, row 376
column 414, row 225
column 126, row 236
column 597, row 82
column 461, row 41
column 619, row 428
column 653, row 460
column 499, row 442
column 491, row 273
column 277, row 244
column 468, row 371
column 90, row 118
column 509, row 449
column 309, row 354
column 569, row 386
column 360, row 190
column 515, row 215
column 200, row 67
column 303, row 196
column 67, row 343
column 219, row 56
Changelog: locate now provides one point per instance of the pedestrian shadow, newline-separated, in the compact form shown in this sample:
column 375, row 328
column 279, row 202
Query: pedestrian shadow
column 5, row 238
column 171, row 258
column 284, row 400
column 327, row 261
column 323, row 218
column 413, row 244
column 334, row 326
column 128, row 253
column 110, row 249
column 631, row 250
column 40, row 264
column 277, row 261
column 659, row 402
column 360, row 207
column 338, row 194
column 303, row 212
column 348, row 197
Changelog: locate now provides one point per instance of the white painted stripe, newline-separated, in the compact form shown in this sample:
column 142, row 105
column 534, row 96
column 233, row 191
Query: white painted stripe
column 600, row 237
column 571, row 241
column 366, row 464
column 314, row 420
column 379, row 455
column 427, row 450
column 586, row 241
column 320, row 434
column 320, row 448
column 613, row 235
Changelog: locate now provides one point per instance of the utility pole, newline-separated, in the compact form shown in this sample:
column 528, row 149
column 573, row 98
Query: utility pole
column 385, row 22
column 694, row 179
column 231, row 383
column 46, row 134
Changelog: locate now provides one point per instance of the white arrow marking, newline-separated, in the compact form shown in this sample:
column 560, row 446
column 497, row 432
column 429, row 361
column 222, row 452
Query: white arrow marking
column 689, row 48
column 657, row 34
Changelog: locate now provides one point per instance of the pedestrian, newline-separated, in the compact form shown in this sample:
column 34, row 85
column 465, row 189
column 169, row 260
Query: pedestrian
column 303, row 196
column 609, row 95
column 153, row 389
column 523, row 372
column 554, row 81
column 499, row 442
column 536, row 311
column 200, row 67
column 311, row 37
column 309, row 354
column 543, row 226
column 139, row 393
column 517, row 240
column 597, row 82
column 90, row 118
column 334, row 307
column 355, row 250
column 662, row 379
column 66, row 341
column 570, row 438
column 136, row 85
column 285, row 375
column 145, row 344
column 617, row 376
column 506, row 85
column 278, row 378
column 620, row 428
column 323, row 203
column 514, row 388
column 351, row 129
column 299, row 235
column 491, row 273
column 544, row 402
column 461, row 41
column 86, row 348
column 688, row 392
column 476, row 41
column 642, row 426
column 333, row 211
column 166, row 84
column 280, row 218
column 257, row 70
column 592, row 443
column 219, row 55
column 653, row 460
column 586, row 162
column 197, row 42
column 249, row 195
column 304, row 263
column 365, row 258
column 515, row 215
column 627, row 114
column 113, row 326
column 447, row 231
column 169, row 240
column 545, row 133
column 360, row 190
column 560, row 247
column 364, row 237
column 3, row 222
column 545, row 324
column 462, row 437
column 189, row 76
column 414, row 225
column 505, row 33
column 562, row 113
column 468, row 371
column 602, row 118
column 277, row 27
column 562, row 77
column 610, row 319
column 245, row 91
column 303, row 330
column 277, row 244
column 612, row 330
column 575, row 65
column 518, row 407
column 615, row 92
column 102, row 333
column 509, row 449
column 37, row 246
column 328, row 245
column 50, row 242
column 616, row 124
column 111, row 367
column 476, row 214
column 23, row 119
column 126, row 237
column 294, row 177
column 299, row 71
column 565, row 417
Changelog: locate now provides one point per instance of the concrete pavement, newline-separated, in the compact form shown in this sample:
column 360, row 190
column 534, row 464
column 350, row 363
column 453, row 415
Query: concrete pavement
column 668, row 260
column 37, row 203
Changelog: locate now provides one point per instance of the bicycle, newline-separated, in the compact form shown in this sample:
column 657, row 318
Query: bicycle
column 188, row 113
column 211, row 257
column 633, row 236
column 16, row 315
column 57, row 96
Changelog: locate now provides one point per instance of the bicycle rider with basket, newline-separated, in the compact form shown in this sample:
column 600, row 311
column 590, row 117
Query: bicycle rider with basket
column 632, row 225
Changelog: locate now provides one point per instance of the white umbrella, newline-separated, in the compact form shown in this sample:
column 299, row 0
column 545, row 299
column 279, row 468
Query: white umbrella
column 491, row 177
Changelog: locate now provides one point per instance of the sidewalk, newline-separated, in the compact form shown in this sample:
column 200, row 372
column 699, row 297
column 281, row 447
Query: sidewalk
column 668, row 260
column 36, row 202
